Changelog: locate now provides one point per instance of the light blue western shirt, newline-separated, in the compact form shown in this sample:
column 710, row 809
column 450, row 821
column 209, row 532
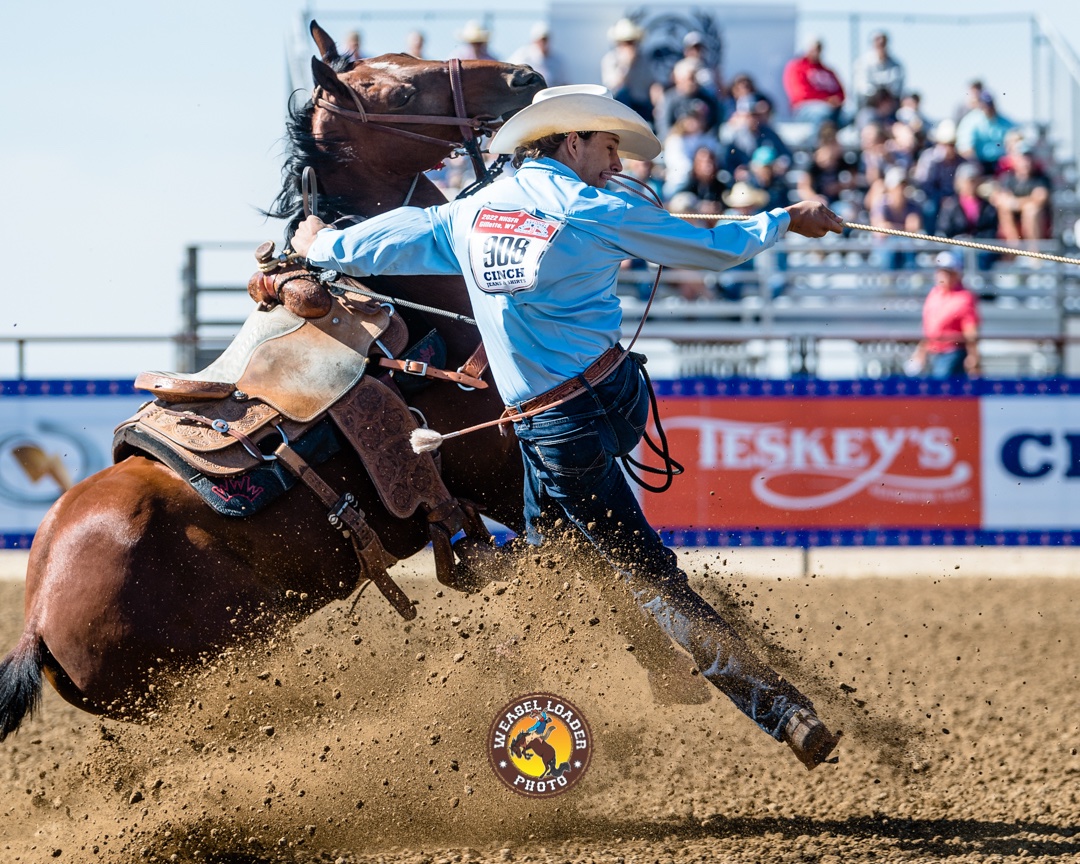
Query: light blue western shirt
column 540, row 252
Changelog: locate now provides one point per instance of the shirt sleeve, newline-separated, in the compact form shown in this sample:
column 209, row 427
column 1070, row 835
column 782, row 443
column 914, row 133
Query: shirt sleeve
column 409, row 241
column 651, row 233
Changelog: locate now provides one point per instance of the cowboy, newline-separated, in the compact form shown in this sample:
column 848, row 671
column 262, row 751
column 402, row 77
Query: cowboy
column 540, row 252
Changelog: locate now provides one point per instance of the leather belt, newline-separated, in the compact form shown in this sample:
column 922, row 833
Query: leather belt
column 603, row 366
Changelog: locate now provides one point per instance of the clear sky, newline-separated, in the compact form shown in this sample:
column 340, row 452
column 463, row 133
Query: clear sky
column 133, row 129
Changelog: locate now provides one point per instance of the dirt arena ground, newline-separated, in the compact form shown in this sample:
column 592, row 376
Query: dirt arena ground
column 358, row 738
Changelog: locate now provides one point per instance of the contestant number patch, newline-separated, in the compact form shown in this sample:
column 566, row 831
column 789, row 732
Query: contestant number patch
column 506, row 247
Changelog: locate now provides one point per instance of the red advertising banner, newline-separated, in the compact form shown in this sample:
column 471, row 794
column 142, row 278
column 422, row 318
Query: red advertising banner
column 794, row 463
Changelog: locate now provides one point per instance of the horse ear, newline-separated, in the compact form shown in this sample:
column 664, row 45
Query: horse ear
column 325, row 44
column 327, row 78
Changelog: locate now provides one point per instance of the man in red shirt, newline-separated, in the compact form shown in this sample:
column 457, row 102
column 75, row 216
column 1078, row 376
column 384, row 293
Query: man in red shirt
column 813, row 89
column 950, row 325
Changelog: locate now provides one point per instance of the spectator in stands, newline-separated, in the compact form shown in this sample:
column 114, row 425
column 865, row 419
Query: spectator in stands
column 980, row 136
column 539, row 56
column 695, row 47
column 831, row 173
column 893, row 207
column 350, row 51
column 703, row 191
column 625, row 71
column 682, row 142
column 474, row 40
column 813, row 89
column 949, row 347
column 968, row 212
column 742, row 85
column 1022, row 199
column 749, row 128
column 741, row 280
column 935, row 171
column 1016, row 140
column 875, row 157
column 971, row 100
column 414, row 44
column 904, row 145
column 687, row 96
column 879, row 108
column 910, row 112
column 766, row 171
column 878, row 70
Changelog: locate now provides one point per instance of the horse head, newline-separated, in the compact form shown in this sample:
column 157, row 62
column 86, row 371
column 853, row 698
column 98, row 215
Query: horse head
column 374, row 125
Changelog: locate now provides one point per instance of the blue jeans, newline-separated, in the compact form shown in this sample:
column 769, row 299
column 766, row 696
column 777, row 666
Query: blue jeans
column 572, row 472
column 946, row 364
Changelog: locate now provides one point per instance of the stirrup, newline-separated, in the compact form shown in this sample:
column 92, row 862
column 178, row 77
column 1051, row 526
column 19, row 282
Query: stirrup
column 810, row 739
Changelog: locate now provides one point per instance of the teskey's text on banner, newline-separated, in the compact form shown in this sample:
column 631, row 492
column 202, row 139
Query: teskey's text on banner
column 976, row 462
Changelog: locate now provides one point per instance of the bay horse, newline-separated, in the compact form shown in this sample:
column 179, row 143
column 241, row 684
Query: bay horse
column 130, row 571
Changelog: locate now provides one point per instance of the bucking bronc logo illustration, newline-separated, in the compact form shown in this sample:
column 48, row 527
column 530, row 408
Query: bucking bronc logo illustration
column 539, row 745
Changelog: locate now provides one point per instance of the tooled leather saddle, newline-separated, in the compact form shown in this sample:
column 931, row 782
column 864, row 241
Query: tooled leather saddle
column 294, row 387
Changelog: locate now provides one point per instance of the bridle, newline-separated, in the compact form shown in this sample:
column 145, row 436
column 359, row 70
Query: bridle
column 472, row 128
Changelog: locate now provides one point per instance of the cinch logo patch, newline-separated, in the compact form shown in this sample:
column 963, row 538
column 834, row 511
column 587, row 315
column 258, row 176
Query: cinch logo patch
column 506, row 247
column 539, row 745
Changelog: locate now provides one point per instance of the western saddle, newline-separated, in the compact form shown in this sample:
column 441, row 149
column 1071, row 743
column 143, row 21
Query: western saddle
column 299, row 360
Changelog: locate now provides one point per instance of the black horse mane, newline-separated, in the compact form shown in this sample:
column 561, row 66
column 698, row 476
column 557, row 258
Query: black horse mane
column 302, row 151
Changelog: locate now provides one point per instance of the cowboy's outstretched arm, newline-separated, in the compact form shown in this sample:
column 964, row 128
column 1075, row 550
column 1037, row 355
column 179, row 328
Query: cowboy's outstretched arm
column 398, row 242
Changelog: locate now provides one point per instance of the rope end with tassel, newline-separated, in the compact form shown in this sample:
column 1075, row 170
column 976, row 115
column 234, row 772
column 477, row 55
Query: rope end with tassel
column 425, row 440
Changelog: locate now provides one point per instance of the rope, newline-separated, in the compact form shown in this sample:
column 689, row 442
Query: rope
column 386, row 298
column 970, row 244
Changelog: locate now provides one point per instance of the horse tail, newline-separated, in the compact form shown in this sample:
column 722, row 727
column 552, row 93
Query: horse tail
column 20, row 683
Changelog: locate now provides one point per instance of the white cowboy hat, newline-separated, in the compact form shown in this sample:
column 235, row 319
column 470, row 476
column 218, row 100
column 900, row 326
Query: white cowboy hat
column 577, row 108
column 472, row 33
column 742, row 194
column 625, row 30
column 944, row 132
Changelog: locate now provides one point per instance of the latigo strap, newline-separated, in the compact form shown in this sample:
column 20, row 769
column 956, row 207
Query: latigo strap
column 373, row 557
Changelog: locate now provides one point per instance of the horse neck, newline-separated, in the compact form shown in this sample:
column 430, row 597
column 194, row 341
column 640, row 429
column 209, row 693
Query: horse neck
column 369, row 196
column 368, row 193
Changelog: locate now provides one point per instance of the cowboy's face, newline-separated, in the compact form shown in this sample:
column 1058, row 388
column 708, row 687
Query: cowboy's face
column 594, row 159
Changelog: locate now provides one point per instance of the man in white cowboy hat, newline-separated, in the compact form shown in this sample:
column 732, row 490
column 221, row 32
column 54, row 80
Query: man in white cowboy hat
column 474, row 38
column 538, row 55
column 626, row 72
column 540, row 252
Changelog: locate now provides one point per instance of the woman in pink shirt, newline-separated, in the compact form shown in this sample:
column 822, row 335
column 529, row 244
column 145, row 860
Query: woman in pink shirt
column 949, row 346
